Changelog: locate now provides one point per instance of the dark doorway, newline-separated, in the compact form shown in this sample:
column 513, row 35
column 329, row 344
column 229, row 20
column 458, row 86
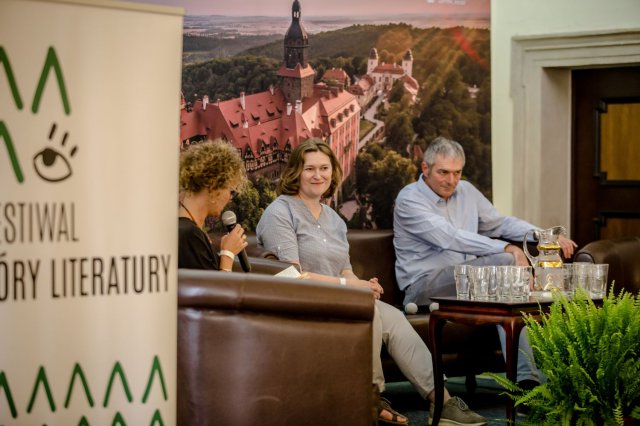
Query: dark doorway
column 605, row 153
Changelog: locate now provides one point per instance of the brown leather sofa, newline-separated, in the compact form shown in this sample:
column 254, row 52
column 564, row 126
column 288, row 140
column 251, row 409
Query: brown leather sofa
column 254, row 349
column 468, row 350
column 623, row 257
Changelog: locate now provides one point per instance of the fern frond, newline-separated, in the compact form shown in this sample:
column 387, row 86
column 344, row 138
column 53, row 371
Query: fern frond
column 591, row 357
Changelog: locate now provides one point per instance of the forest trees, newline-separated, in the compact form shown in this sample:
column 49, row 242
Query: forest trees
column 380, row 175
column 225, row 78
column 251, row 202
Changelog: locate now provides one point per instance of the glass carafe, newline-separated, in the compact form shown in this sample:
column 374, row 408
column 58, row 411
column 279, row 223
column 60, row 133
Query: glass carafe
column 547, row 266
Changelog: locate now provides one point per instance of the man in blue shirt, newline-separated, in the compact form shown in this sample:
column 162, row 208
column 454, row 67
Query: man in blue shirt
column 441, row 221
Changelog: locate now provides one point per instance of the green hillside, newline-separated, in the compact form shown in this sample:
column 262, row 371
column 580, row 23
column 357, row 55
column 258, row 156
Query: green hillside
column 201, row 49
column 434, row 50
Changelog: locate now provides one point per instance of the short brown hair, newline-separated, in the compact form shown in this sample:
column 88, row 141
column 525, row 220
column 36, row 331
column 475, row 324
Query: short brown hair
column 290, row 178
column 210, row 165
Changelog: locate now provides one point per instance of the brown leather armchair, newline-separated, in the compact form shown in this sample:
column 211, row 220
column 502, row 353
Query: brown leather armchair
column 623, row 257
column 257, row 349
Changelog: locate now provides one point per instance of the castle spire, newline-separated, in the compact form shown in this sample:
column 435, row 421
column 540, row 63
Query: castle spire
column 297, row 75
column 296, row 40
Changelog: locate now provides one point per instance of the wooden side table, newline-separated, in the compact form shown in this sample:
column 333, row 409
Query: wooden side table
column 508, row 314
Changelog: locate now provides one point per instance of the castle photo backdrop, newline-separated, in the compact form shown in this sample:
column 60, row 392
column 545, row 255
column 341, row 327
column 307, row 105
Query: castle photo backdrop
column 378, row 80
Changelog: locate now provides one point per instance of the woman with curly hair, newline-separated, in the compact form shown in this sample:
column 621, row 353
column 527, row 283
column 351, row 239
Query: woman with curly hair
column 211, row 173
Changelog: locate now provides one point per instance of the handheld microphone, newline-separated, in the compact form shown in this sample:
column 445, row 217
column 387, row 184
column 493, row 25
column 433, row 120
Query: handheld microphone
column 229, row 220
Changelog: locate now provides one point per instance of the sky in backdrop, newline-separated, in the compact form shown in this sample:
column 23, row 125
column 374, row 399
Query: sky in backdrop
column 326, row 7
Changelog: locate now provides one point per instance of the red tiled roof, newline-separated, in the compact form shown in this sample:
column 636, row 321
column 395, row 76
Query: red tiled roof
column 362, row 85
column 266, row 118
column 410, row 81
column 337, row 74
column 297, row 72
column 388, row 68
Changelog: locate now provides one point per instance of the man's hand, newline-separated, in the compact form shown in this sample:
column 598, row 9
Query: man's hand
column 518, row 254
column 567, row 246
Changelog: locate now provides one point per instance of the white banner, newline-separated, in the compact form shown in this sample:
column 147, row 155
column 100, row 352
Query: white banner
column 89, row 125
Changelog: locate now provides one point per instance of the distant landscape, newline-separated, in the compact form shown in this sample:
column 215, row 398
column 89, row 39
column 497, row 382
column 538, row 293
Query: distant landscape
column 215, row 36
column 262, row 25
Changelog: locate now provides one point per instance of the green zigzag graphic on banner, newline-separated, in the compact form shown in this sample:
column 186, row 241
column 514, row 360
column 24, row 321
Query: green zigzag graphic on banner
column 84, row 422
column 117, row 368
column 51, row 62
column 155, row 368
column 42, row 378
column 117, row 419
column 77, row 372
column 4, row 384
column 157, row 419
column 4, row 134
column 4, row 60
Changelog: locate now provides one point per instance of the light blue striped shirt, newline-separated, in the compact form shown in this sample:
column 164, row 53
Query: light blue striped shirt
column 288, row 229
column 431, row 233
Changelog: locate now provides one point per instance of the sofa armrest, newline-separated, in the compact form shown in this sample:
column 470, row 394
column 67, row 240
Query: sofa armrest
column 265, row 293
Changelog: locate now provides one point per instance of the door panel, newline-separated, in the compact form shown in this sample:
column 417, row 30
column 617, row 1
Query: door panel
column 619, row 122
column 605, row 153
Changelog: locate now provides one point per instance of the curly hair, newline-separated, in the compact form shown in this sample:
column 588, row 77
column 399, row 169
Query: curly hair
column 210, row 165
column 290, row 178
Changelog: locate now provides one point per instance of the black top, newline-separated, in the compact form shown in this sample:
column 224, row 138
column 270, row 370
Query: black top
column 194, row 249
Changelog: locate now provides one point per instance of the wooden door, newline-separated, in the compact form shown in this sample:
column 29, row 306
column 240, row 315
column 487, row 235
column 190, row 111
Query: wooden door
column 605, row 153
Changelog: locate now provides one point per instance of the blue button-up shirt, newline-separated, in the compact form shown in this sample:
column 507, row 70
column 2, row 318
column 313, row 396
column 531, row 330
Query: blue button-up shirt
column 431, row 233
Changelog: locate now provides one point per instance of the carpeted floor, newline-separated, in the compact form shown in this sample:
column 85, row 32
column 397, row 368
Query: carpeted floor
column 486, row 400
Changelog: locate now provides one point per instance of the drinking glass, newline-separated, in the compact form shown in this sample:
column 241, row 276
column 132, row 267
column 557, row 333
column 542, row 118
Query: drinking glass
column 581, row 275
column 567, row 270
column 461, row 275
column 521, row 282
column 505, row 281
column 598, row 282
column 480, row 282
column 492, row 282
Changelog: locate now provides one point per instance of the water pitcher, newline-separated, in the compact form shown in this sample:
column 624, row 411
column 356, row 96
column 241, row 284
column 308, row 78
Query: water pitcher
column 547, row 266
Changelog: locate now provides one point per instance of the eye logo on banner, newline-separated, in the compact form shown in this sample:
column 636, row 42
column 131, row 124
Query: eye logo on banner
column 50, row 164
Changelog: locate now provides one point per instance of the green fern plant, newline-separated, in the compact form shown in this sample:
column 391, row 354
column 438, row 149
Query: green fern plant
column 591, row 357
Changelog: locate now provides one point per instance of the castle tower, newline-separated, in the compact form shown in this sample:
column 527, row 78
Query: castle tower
column 373, row 60
column 297, row 75
column 407, row 63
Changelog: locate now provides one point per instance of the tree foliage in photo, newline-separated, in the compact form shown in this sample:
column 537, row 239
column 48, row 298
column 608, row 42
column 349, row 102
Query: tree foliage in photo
column 380, row 175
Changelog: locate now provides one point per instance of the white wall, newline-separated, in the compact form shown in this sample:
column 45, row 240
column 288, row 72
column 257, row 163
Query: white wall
column 514, row 18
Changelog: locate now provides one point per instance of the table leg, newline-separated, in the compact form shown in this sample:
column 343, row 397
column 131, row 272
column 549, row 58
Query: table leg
column 435, row 335
column 512, row 328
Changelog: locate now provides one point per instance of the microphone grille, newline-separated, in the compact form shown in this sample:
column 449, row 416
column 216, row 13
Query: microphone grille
column 228, row 218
